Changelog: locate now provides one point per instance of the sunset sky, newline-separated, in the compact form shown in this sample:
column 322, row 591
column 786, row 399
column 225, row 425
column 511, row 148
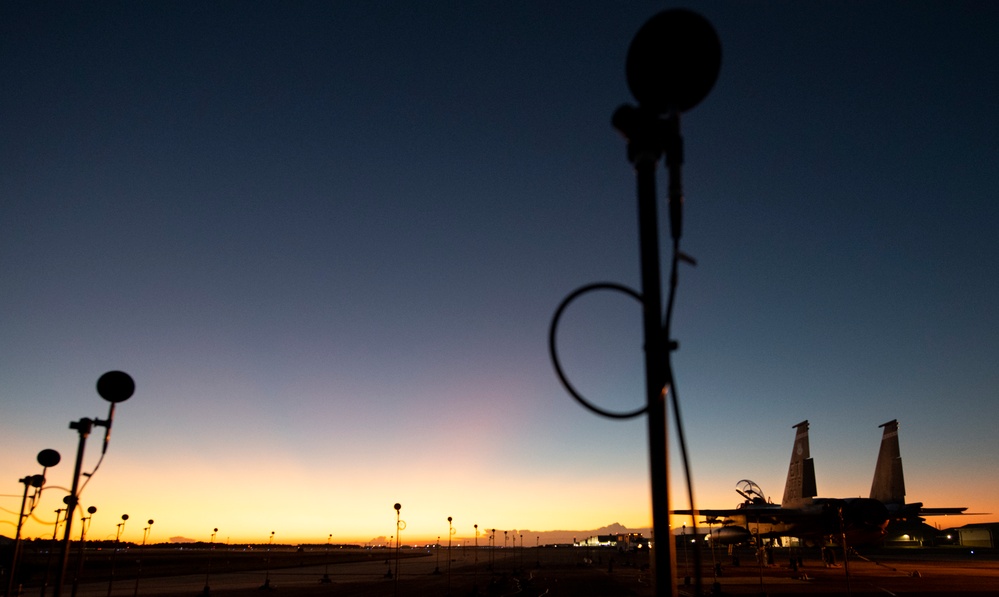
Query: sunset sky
column 326, row 239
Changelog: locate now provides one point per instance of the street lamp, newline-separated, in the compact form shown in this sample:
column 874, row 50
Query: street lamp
column 114, row 387
column 672, row 64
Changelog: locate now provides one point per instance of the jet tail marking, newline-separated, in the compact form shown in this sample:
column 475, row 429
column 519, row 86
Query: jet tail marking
column 888, row 486
column 800, row 487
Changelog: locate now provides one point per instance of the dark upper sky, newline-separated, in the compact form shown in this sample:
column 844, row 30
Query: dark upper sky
column 325, row 225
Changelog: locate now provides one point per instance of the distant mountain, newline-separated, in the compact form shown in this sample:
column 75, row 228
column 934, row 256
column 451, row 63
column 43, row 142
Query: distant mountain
column 564, row 536
column 182, row 540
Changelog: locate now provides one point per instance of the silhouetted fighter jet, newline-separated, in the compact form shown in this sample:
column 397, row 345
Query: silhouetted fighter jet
column 854, row 521
column 800, row 514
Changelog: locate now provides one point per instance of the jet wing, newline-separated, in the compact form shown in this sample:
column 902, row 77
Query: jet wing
column 917, row 510
column 774, row 514
column 941, row 511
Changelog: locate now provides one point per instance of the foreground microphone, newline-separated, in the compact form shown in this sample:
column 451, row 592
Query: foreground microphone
column 115, row 387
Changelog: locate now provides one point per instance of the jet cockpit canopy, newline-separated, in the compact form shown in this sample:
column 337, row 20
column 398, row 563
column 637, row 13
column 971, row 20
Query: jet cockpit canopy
column 751, row 492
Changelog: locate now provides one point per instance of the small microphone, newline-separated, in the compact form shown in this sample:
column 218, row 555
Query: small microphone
column 115, row 387
column 107, row 429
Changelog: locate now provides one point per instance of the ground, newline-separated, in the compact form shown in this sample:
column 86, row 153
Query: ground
column 552, row 572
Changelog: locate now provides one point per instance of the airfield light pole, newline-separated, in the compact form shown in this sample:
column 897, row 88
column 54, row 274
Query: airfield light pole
column 506, row 538
column 267, row 574
column 846, row 555
column 686, row 562
column 672, row 64
column 759, row 558
column 399, row 526
column 450, row 533
column 46, row 458
column 716, row 586
column 522, row 550
column 48, row 560
column 475, row 560
column 114, row 553
column 35, row 481
column 138, row 570
column 114, row 387
column 84, row 523
column 208, row 572
column 325, row 580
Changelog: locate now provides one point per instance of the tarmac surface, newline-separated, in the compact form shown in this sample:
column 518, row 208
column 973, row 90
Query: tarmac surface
column 535, row 572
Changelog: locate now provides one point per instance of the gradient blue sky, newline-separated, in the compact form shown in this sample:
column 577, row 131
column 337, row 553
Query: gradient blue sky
column 327, row 239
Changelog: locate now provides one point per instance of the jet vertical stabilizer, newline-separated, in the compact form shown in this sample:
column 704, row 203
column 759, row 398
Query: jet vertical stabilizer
column 889, row 485
column 800, row 486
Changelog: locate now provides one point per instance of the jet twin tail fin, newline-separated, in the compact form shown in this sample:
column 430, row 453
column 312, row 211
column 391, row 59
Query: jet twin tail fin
column 800, row 486
column 889, row 485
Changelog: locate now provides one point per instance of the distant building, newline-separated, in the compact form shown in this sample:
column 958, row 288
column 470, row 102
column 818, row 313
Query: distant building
column 975, row 535
column 913, row 533
column 622, row 541
column 918, row 534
